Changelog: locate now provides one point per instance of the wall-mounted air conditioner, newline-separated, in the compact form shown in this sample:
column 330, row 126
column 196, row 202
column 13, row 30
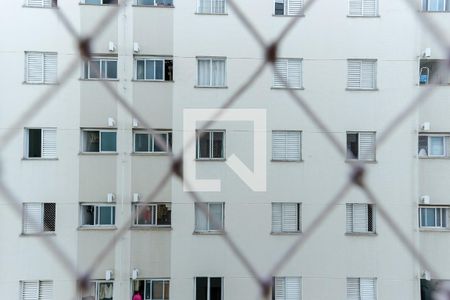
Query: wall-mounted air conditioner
column 425, row 126
column 136, row 197
column 425, row 199
column 111, row 197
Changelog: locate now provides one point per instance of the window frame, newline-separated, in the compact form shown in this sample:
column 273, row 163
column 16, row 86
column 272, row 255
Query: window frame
column 136, row 3
column 137, row 206
column 38, row 285
column 375, row 75
column 208, row 286
column 41, row 221
column 101, row 60
column 211, row 59
column 150, row 280
column 436, row 217
column 150, row 58
column 426, row 7
column 210, row 132
column 211, row 12
column 299, row 218
column 151, row 141
column 435, row 68
column 359, row 146
column 26, row 143
column 100, row 131
column 372, row 211
column 286, row 9
column 52, row 2
column 363, row 15
column 207, row 217
column 44, row 74
column 429, row 136
column 97, row 286
column 97, row 216
column 84, row 2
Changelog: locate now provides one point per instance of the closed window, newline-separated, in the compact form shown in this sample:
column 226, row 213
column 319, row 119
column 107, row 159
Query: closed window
column 36, row 290
column 363, row 8
column 98, row 290
column 97, row 214
column 434, row 217
column 210, row 144
column 40, row 143
column 145, row 142
column 361, row 289
column 288, row 7
column 211, row 6
column 100, row 2
column 152, row 289
column 100, row 68
column 38, row 217
column 434, row 146
column 286, row 145
column 361, row 146
column 211, row 72
column 41, row 3
column 286, row 217
column 209, row 217
column 287, row 288
column 208, row 288
column 360, row 218
column 436, row 5
column 155, row 2
column 152, row 214
column 154, row 69
column 434, row 71
column 288, row 73
column 40, row 67
column 99, row 140
column 362, row 74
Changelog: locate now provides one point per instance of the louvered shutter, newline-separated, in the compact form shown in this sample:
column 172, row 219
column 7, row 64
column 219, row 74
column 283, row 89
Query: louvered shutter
column 349, row 223
column 355, row 7
column 366, row 146
column 354, row 74
column 32, row 218
column 278, row 145
column 30, row 290
column 49, row 143
column 45, row 290
column 50, row 62
column 368, row 74
column 276, row 217
column 293, row 145
column 294, row 73
column 286, row 145
column 353, row 289
column 279, row 288
column 34, row 67
column 293, row 288
column 295, row 7
column 367, row 289
column 289, row 217
column 360, row 219
column 369, row 7
column 35, row 3
column 281, row 73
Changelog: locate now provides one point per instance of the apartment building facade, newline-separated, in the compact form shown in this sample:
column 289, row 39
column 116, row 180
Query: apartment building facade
column 82, row 165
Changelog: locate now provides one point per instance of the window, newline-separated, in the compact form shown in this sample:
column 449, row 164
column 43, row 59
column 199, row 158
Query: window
column 38, row 217
column 36, row 290
column 40, row 143
column 145, row 142
column 40, row 67
column 152, row 289
column 288, row 7
column 433, row 217
column 434, row 146
column 434, row 71
column 98, row 214
column 360, row 218
column 100, row 2
column 99, row 140
column 436, row 5
column 361, row 289
column 155, row 2
column 210, row 144
column 287, row 288
column 288, row 73
column 98, row 290
column 363, row 8
column 285, row 217
column 208, row 288
column 152, row 214
column 286, row 145
column 211, row 72
column 154, row 69
column 362, row 74
column 41, row 3
column 100, row 68
column 209, row 217
column 361, row 146
column 211, row 6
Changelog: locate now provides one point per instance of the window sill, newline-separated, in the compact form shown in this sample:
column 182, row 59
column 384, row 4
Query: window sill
column 361, row 234
column 368, row 17
column 97, row 79
column 361, row 161
column 151, row 228
column 40, row 83
column 210, row 159
column 39, row 158
column 153, row 6
column 291, row 16
column 221, row 232
column 287, row 160
column 286, row 233
column 435, row 84
column 209, row 87
column 211, row 14
column 153, row 81
column 434, row 12
column 287, row 88
column 361, row 90
column 98, row 153
column 149, row 153
column 433, row 230
column 39, row 234
column 433, row 157
column 88, row 4
column 47, row 7
column 87, row 228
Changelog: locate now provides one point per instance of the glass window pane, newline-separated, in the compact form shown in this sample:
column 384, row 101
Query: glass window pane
column 204, row 73
column 140, row 69
column 218, row 73
column 148, row 289
column 89, row 293
column 87, row 215
column 91, row 141
column 157, row 290
column 215, row 216
column 163, row 137
column 150, row 70
column 437, row 145
column 138, row 288
column 436, row 5
column 215, row 289
column 141, row 143
column 105, row 291
column 444, row 217
column 430, row 217
column 352, row 146
column 201, row 221
column 145, row 2
column 108, row 141
column 166, row 289
column 164, row 214
column 159, row 70
column 111, row 69
column 105, row 217
column 201, row 288
column 94, row 69
column 218, row 144
column 146, row 215
column 279, row 7
column 204, row 145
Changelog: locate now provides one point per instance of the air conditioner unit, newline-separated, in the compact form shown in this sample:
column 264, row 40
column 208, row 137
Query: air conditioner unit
column 111, row 197
column 136, row 48
column 111, row 46
column 135, row 122
column 111, row 122
column 136, row 197
column 135, row 274
column 425, row 199
column 426, row 52
column 108, row 274
column 425, row 126
column 426, row 275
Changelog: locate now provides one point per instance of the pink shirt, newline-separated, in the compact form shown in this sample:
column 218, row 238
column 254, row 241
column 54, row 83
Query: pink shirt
column 137, row 297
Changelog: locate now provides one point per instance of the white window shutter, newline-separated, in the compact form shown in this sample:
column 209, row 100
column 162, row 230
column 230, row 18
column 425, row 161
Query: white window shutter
column 50, row 62
column 349, row 223
column 366, row 146
column 49, row 143
column 30, row 290
column 279, row 288
column 34, row 67
column 295, row 7
column 360, row 220
column 289, row 217
column 32, row 218
column 36, row 3
column 354, row 74
column 281, row 73
column 276, row 217
column 293, row 288
column 370, row 7
column 355, row 7
column 368, row 74
column 47, row 3
column 367, row 289
column 45, row 290
column 353, row 289
column 294, row 73
column 278, row 145
column 286, row 145
column 293, row 146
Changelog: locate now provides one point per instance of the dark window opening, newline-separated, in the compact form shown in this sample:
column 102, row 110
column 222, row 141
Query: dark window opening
column 352, row 146
column 34, row 142
column 201, row 288
column 215, row 289
column 279, row 8
column 370, row 218
column 423, row 145
column 434, row 71
column 49, row 216
column 168, row 70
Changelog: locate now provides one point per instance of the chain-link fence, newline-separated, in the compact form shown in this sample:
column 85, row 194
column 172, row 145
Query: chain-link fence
column 356, row 175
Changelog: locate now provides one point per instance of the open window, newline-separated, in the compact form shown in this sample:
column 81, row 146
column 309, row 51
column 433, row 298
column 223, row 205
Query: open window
column 434, row 71
column 99, row 140
column 97, row 215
